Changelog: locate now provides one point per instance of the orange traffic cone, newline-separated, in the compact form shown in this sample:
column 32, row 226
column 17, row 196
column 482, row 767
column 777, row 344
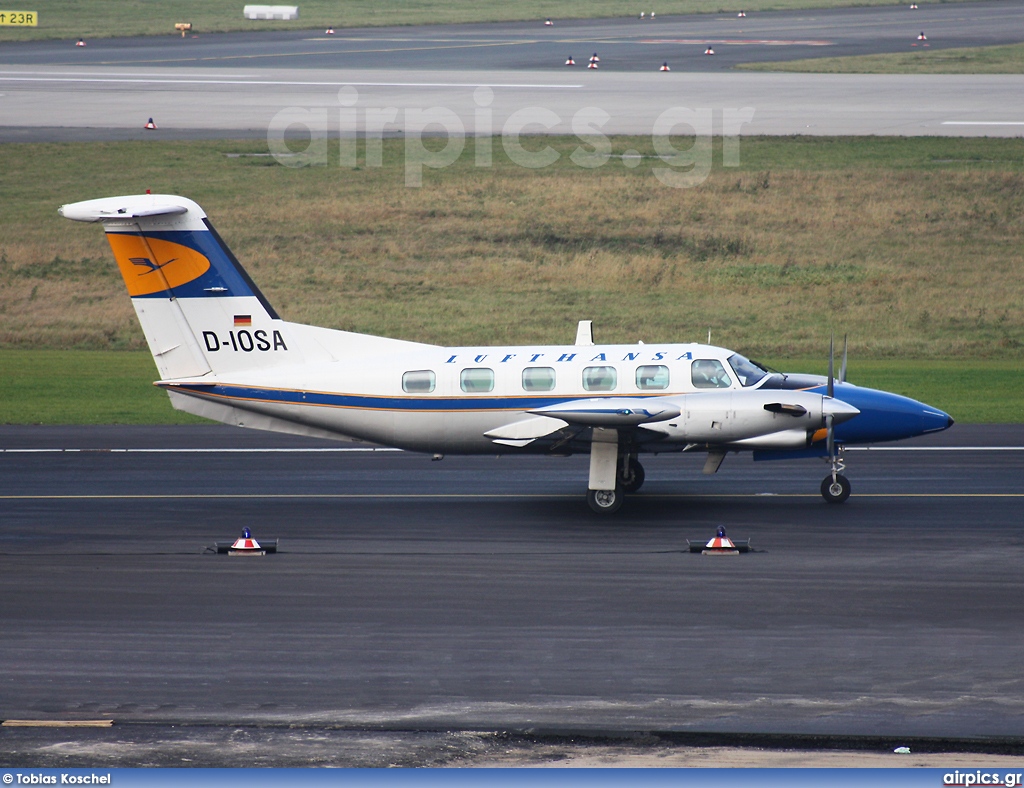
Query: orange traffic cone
column 922, row 37
column 709, row 51
column 594, row 58
column 570, row 61
column 80, row 43
column 664, row 67
column 741, row 14
column 549, row 23
column 150, row 125
column 329, row 31
column 592, row 64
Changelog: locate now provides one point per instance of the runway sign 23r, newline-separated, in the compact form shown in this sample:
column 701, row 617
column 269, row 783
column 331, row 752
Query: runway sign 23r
column 19, row 18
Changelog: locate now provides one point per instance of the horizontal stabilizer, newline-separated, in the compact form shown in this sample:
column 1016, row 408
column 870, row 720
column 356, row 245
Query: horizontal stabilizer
column 127, row 207
column 611, row 411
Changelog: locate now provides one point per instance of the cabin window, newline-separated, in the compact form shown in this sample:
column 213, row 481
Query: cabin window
column 476, row 381
column 538, row 379
column 652, row 376
column 708, row 373
column 420, row 381
column 599, row 378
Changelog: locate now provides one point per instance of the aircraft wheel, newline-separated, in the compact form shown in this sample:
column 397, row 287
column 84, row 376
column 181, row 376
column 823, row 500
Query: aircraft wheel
column 837, row 491
column 633, row 479
column 605, row 501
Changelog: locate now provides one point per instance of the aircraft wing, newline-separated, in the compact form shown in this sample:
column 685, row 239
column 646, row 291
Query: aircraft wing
column 611, row 411
column 565, row 420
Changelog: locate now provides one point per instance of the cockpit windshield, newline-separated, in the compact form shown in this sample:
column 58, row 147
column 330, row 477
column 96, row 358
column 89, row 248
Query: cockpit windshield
column 748, row 372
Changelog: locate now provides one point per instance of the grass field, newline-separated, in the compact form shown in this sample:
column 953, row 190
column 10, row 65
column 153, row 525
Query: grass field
column 72, row 19
column 912, row 246
column 972, row 60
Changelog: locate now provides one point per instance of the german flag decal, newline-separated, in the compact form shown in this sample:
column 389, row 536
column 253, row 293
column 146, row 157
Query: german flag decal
column 243, row 320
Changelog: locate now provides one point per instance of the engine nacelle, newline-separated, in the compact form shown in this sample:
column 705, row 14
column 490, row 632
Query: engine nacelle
column 719, row 417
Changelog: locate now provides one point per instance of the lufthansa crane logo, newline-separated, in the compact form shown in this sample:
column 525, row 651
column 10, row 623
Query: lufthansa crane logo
column 145, row 262
column 178, row 261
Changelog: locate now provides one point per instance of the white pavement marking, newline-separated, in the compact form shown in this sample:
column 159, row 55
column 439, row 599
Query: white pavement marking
column 935, row 448
column 983, row 123
column 287, row 83
column 190, row 451
column 371, row 449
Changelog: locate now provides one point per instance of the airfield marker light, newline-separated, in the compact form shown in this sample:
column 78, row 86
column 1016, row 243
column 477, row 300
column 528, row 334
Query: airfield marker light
column 246, row 545
column 592, row 65
column 664, row 67
column 570, row 61
column 150, row 125
column 922, row 37
column 81, row 43
column 594, row 58
column 709, row 51
column 741, row 14
column 720, row 544
column 642, row 14
column 329, row 31
column 652, row 15
column 548, row 23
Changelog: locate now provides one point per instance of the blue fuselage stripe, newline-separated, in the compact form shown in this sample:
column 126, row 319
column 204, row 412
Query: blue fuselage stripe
column 364, row 402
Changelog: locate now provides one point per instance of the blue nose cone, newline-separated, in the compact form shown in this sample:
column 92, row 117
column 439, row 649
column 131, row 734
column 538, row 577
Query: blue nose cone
column 886, row 417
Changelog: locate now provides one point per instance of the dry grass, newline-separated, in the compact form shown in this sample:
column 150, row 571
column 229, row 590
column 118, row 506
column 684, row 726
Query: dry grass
column 916, row 256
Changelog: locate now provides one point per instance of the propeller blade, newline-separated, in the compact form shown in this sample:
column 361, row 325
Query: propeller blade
column 831, row 365
column 842, row 369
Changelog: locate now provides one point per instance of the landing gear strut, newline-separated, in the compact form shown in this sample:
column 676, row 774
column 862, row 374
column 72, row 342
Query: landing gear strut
column 631, row 474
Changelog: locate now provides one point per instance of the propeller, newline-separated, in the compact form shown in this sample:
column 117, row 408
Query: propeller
column 831, row 359
column 846, row 347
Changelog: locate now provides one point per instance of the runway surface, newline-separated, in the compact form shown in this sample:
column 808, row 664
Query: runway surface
column 624, row 44
column 481, row 593
column 238, row 85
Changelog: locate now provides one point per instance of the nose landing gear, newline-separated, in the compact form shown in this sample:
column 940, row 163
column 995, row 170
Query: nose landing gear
column 835, row 488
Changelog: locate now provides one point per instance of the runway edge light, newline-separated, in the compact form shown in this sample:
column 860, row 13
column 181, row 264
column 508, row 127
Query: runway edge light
column 246, row 545
column 719, row 544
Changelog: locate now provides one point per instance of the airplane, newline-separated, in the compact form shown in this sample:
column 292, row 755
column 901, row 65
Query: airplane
column 224, row 353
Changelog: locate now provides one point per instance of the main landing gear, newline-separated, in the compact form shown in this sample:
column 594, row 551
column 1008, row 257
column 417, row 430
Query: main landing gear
column 612, row 474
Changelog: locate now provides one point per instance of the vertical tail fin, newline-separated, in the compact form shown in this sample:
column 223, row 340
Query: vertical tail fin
column 199, row 310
